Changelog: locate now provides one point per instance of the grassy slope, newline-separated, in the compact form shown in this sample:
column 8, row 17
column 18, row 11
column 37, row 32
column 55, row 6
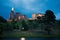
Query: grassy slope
column 29, row 34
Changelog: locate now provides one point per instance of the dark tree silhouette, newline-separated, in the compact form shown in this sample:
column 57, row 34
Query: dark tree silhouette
column 50, row 16
column 24, row 26
column 58, row 21
column 1, row 29
column 48, row 29
column 39, row 19
column 2, row 20
column 14, row 24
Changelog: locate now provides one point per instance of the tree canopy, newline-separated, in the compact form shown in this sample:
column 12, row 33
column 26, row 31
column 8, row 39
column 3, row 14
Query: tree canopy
column 50, row 16
column 2, row 20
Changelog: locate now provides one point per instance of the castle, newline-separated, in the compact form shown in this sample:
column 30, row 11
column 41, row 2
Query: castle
column 18, row 16
column 34, row 16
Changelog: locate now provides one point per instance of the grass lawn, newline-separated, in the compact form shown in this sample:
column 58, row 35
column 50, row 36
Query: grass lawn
column 29, row 34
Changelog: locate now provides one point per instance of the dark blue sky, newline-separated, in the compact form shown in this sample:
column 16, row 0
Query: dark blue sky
column 28, row 7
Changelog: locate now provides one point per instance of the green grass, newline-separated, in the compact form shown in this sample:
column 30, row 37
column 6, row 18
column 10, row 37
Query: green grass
column 24, row 34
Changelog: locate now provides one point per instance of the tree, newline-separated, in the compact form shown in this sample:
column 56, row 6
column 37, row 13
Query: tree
column 58, row 21
column 24, row 26
column 2, row 20
column 19, row 24
column 2, row 25
column 8, row 26
column 13, row 23
column 39, row 19
column 48, row 29
column 1, row 29
column 50, row 16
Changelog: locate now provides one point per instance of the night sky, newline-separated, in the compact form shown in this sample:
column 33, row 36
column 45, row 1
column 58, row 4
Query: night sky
column 28, row 7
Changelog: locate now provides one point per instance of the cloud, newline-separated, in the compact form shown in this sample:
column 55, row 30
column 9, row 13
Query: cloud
column 28, row 5
column 15, row 1
column 35, row 6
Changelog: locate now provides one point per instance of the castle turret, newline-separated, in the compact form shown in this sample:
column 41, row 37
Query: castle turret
column 11, row 16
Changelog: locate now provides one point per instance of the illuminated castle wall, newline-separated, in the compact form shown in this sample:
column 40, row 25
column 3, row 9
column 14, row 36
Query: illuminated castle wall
column 34, row 16
column 18, row 16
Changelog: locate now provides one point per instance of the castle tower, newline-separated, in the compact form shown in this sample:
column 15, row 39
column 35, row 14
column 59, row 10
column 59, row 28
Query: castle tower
column 18, row 16
column 33, row 16
column 11, row 16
